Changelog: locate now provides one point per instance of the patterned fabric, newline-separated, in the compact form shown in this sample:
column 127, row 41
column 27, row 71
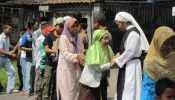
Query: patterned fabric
column 49, row 83
column 155, row 64
column 39, row 83
column 26, row 41
column 35, row 35
column 90, row 93
column 58, row 21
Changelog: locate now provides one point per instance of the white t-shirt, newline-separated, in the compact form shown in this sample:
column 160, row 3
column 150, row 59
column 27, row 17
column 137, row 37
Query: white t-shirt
column 23, row 53
column 38, row 55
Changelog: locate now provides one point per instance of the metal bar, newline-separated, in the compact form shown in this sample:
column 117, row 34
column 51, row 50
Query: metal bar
column 125, row 1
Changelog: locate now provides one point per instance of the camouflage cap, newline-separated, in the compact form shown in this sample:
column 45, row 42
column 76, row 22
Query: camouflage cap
column 59, row 20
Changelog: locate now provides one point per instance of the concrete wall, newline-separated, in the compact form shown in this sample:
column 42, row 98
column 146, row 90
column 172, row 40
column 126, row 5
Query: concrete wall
column 84, row 9
column 88, row 11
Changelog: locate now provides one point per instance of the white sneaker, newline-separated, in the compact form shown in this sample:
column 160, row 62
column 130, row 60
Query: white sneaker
column 12, row 91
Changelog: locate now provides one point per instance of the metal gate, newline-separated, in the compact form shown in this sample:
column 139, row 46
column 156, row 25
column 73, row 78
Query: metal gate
column 12, row 17
column 149, row 16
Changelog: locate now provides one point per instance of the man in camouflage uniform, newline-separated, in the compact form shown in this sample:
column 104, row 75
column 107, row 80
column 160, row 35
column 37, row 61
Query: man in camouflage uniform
column 52, row 51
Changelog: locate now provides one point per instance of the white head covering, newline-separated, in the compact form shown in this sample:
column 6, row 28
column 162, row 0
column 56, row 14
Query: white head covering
column 59, row 20
column 126, row 17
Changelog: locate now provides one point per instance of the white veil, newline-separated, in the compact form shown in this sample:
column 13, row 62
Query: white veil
column 126, row 17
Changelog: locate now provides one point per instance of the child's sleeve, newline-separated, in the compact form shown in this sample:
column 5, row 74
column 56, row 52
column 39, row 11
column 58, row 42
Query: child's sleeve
column 102, row 68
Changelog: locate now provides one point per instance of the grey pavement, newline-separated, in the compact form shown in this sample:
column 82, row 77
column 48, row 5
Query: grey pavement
column 111, row 90
column 112, row 84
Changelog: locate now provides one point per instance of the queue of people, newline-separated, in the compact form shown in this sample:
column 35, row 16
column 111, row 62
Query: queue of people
column 57, row 64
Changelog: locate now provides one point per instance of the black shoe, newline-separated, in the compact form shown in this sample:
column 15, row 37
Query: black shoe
column 38, row 98
column 2, row 89
column 20, row 88
column 31, row 94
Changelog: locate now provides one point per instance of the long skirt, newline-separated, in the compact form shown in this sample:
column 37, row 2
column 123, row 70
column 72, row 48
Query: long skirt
column 148, row 88
column 89, row 93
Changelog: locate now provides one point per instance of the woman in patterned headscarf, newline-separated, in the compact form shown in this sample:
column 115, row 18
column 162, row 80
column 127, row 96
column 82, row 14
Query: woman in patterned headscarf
column 159, row 62
column 68, row 70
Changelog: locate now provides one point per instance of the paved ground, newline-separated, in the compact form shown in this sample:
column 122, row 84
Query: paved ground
column 113, row 83
column 111, row 90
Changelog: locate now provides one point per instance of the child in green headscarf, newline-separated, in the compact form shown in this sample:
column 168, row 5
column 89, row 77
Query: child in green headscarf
column 98, row 57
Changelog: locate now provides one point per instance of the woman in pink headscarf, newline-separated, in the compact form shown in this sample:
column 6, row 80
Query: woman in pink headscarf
column 71, row 55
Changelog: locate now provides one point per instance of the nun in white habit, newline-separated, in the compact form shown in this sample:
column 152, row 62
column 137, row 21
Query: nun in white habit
column 133, row 44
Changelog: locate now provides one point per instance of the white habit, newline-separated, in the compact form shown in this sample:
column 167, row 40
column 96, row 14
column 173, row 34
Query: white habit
column 133, row 46
column 133, row 74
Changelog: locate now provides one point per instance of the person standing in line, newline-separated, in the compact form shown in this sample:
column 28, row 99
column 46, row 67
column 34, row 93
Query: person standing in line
column 129, row 64
column 52, row 53
column 71, row 54
column 78, row 17
column 41, row 62
column 20, row 71
column 35, row 35
column 22, row 58
column 26, row 45
column 4, row 59
column 18, row 51
column 100, row 23
column 83, row 35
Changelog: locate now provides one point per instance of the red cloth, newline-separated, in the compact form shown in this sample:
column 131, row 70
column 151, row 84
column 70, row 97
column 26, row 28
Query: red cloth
column 48, row 29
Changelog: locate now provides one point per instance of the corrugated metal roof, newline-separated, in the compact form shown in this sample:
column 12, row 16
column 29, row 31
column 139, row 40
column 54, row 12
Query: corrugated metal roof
column 37, row 2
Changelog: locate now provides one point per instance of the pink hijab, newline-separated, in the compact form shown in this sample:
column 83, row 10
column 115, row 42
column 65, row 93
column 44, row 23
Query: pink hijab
column 73, row 39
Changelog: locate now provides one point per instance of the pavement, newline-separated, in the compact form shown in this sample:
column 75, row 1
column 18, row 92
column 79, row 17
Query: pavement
column 111, row 90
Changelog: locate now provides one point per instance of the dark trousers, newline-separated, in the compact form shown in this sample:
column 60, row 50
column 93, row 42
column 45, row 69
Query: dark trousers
column 1, row 87
column 103, row 89
column 121, row 82
column 49, row 85
column 32, row 80
column 20, row 75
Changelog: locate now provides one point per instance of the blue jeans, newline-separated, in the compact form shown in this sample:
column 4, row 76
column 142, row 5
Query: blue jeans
column 30, row 75
column 23, row 66
column 6, row 64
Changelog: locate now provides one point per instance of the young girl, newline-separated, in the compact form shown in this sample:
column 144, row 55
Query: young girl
column 97, row 60
column 159, row 62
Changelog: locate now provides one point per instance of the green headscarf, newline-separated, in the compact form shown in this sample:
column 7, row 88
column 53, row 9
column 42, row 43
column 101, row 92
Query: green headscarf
column 97, row 54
